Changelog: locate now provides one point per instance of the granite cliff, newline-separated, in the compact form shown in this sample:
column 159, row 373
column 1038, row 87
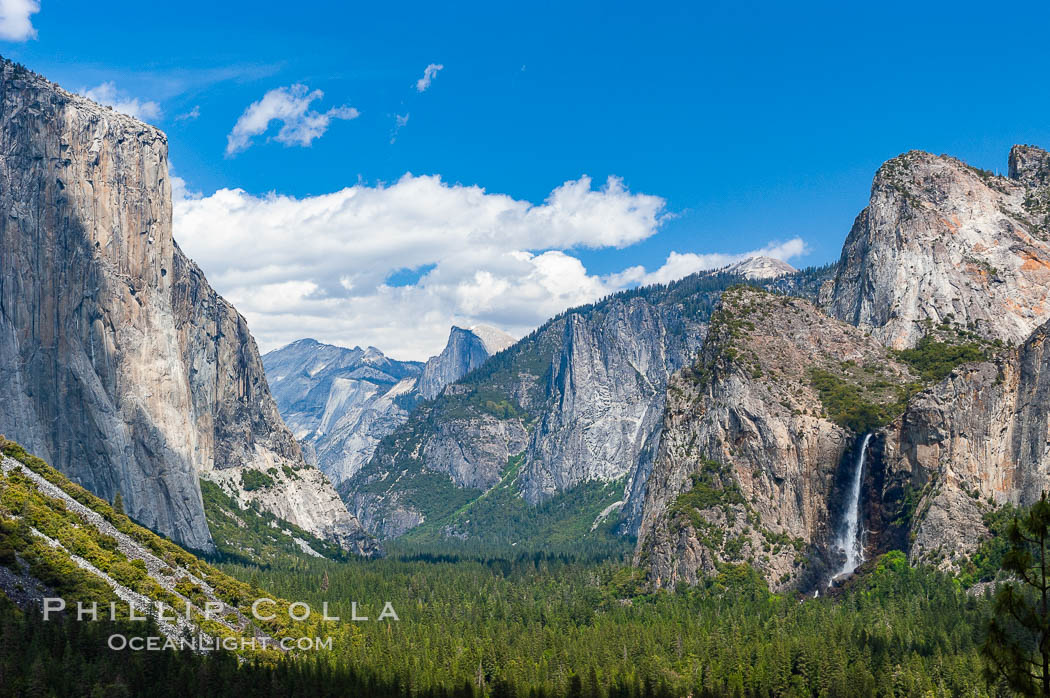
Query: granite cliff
column 946, row 246
column 341, row 402
column 941, row 241
column 570, row 413
column 754, row 437
column 944, row 277
column 118, row 363
column 466, row 350
column 972, row 443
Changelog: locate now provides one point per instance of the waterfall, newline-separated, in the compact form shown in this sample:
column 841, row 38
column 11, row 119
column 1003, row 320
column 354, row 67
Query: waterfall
column 849, row 538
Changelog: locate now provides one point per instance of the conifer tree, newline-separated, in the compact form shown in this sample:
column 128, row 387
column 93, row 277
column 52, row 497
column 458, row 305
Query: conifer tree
column 1017, row 646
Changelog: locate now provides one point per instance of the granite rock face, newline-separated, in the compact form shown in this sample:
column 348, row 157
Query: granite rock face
column 750, row 467
column 1029, row 165
column 118, row 363
column 943, row 249
column 975, row 441
column 465, row 351
column 579, row 400
column 341, row 402
column 605, row 396
column 941, row 241
column 941, row 244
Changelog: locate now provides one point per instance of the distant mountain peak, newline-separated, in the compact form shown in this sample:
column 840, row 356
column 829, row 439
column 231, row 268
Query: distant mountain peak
column 373, row 355
column 760, row 267
column 340, row 402
column 467, row 348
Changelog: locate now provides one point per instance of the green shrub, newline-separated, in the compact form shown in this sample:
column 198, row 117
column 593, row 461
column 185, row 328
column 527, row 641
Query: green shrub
column 934, row 360
column 713, row 485
column 128, row 574
column 846, row 405
column 987, row 560
column 252, row 480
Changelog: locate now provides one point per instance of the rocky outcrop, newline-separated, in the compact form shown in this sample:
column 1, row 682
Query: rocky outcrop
column 577, row 404
column 119, row 363
column 340, row 402
column 1029, row 165
column 579, row 400
column 750, row 461
column 973, row 442
column 605, row 396
column 941, row 241
column 465, row 351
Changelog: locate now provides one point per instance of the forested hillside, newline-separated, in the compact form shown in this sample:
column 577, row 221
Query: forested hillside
column 57, row 540
column 499, row 625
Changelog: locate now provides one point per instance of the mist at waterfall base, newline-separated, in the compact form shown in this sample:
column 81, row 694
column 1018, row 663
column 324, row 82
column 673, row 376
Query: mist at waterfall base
column 849, row 536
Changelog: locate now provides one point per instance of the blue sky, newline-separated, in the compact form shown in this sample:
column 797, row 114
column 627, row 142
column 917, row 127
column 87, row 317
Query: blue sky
column 754, row 123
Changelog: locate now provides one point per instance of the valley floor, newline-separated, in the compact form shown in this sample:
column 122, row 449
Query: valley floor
column 540, row 625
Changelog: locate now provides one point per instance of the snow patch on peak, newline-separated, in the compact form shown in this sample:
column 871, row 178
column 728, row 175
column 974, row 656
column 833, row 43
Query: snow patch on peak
column 493, row 339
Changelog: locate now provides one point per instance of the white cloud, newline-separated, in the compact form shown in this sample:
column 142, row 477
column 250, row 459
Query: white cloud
column 190, row 115
column 300, row 125
column 15, row 23
column 179, row 190
column 108, row 94
column 429, row 73
column 318, row 266
column 399, row 123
